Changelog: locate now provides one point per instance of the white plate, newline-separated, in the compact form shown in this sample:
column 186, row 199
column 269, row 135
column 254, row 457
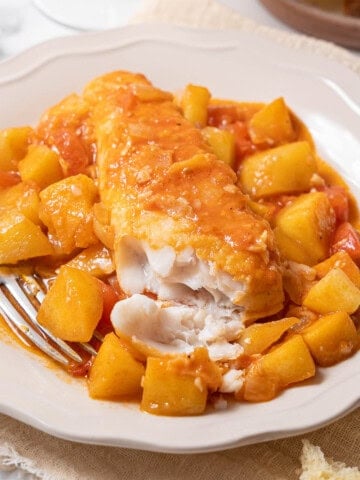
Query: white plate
column 239, row 65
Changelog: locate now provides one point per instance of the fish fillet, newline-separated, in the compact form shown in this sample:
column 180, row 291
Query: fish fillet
column 183, row 230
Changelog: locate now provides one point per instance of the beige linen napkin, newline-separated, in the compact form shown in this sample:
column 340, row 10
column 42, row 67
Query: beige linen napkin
column 54, row 459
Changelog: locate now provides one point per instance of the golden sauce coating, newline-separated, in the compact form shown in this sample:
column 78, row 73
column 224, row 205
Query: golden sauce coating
column 162, row 185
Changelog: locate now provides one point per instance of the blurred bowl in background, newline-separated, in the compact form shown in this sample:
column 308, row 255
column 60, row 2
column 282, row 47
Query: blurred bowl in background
column 322, row 19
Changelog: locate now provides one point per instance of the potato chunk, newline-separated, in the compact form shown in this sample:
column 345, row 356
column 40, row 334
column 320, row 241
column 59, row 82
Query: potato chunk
column 194, row 104
column 13, row 146
column 303, row 229
column 24, row 198
column 222, row 142
column 285, row 169
column 334, row 292
column 66, row 209
column 288, row 363
column 332, row 338
column 115, row 372
column 73, row 306
column 95, row 259
column 167, row 392
column 258, row 337
column 272, row 124
column 20, row 238
column 343, row 261
column 40, row 165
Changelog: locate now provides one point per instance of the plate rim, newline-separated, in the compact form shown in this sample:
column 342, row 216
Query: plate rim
column 37, row 55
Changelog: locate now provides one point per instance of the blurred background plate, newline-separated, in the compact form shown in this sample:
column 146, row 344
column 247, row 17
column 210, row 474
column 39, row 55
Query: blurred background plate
column 320, row 18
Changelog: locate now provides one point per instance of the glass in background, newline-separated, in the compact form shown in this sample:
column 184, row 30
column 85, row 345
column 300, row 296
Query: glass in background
column 88, row 15
column 10, row 20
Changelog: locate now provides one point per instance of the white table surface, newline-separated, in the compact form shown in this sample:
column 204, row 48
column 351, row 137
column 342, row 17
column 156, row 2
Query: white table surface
column 34, row 27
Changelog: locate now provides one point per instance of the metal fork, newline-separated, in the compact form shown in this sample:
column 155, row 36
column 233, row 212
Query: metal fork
column 20, row 297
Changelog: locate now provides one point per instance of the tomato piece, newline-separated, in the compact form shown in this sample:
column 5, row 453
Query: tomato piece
column 222, row 115
column 80, row 369
column 339, row 201
column 72, row 150
column 114, row 284
column 346, row 239
column 278, row 202
column 110, row 297
column 243, row 143
column 8, row 179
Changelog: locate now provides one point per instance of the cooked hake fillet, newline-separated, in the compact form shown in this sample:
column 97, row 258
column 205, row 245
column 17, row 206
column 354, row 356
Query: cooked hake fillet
column 182, row 228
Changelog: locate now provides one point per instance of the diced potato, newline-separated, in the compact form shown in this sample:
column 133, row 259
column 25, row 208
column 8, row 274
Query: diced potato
column 167, row 392
column 24, row 198
column 66, row 209
column 292, row 250
column 334, row 292
column 258, row 337
column 285, row 169
column 198, row 364
column 20, row 238
column 288, row 363
column 13, row 146
column 272, row 124
column 95, row 260
column 332, row 338
column 7, row 161
column 222, row 142
column 9, row 179
column 40, row 165
column 291, row 361
column 194, row 104
column 115, row 372
column 73, row 306
column 306, row 317
column 303, row 229
column 343, row 261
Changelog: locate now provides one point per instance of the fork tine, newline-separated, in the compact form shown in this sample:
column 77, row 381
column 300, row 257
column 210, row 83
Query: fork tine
column 32, row 286
column 88, row 348
column 13, row 316
column 17, row 292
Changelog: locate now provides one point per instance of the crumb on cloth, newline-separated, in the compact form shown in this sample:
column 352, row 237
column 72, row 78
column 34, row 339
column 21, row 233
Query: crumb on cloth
column 314, row 466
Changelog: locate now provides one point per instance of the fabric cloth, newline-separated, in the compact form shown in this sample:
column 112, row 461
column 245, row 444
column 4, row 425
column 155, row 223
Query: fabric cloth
column 54, row 459
column 50, row 458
